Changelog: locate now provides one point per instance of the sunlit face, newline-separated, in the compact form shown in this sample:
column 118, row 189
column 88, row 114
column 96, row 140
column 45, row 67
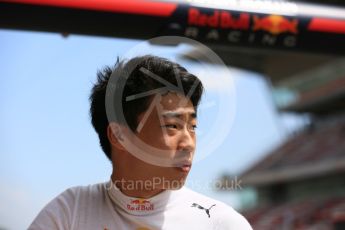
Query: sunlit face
column 170, row 126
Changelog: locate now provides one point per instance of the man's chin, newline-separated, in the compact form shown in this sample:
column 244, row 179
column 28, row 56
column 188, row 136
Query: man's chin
column 174, row 187
column 175, row 184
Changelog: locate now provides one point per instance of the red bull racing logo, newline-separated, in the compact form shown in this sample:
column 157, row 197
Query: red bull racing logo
column 236, row 27
column 140, row 205
column 275, row 24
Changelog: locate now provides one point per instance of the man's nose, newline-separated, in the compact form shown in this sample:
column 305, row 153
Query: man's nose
column 187, row 140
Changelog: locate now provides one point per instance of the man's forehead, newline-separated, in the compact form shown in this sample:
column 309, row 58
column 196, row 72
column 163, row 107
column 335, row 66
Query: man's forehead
column 176, row 105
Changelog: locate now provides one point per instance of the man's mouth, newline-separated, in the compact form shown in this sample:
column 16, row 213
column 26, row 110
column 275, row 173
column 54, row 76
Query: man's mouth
column 185, row 167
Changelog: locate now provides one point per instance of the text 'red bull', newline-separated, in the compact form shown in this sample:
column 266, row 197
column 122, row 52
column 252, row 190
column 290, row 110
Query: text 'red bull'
column 219, row 19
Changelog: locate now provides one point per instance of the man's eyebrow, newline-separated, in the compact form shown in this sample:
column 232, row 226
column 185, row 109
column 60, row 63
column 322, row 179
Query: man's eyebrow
column 178, row 114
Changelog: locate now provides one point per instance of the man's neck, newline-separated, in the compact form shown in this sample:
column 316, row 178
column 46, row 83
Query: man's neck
column 135, row 187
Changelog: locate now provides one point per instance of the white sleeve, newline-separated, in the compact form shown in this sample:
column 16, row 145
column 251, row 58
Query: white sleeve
column 57, row 214
column 229, row 219
column 236, row 221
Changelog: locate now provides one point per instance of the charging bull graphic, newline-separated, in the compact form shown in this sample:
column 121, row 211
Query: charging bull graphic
column 275, row 24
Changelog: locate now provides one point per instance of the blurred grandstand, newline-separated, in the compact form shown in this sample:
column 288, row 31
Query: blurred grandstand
column 300, row 185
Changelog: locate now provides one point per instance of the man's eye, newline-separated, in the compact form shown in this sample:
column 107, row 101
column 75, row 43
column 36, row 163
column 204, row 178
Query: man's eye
column 193, row 127
column 171, row 126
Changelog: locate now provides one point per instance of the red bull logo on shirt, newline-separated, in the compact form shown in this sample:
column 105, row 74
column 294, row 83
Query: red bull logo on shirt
column 275, row 24
column 140, row 205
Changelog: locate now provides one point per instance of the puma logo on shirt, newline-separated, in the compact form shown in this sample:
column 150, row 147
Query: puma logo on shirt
column 207, row 210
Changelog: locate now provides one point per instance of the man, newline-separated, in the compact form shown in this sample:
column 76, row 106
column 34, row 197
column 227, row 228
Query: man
column 145, row 114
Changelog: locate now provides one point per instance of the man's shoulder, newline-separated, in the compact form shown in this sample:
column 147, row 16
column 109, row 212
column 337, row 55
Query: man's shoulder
column 224, row 213
column 59, row 212
column 79, row 193
column 85, row 190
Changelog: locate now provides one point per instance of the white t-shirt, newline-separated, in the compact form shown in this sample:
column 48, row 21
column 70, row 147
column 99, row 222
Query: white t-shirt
column 104, row 207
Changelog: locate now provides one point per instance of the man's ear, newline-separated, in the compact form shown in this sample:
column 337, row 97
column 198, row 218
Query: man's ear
column 115, row 135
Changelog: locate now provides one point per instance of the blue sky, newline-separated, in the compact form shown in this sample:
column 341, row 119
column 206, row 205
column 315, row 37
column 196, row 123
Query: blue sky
column 47, row 143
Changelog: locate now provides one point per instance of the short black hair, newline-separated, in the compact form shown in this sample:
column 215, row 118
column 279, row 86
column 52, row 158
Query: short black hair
column 137, row 81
